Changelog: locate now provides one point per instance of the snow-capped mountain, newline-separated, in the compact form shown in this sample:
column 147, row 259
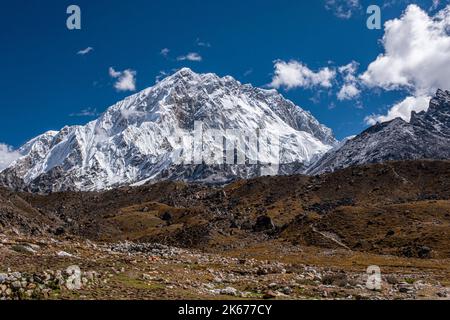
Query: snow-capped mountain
column 426, row 136
column 137, row 140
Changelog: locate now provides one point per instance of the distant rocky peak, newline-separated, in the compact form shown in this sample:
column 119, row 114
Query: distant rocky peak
column 437, row 115
column 426, row 136
column 441, row 100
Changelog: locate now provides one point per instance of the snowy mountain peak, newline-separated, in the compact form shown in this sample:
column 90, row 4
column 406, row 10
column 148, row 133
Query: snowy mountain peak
column 138, row 139
column 184, row 71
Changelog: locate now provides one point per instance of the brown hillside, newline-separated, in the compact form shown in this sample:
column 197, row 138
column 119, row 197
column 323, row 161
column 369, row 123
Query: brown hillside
column 398, row 208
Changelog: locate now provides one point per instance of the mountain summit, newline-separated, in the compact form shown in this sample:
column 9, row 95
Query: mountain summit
column 136, row 140
column 426, row 136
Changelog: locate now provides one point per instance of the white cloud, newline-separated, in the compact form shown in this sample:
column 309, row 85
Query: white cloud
column 164, row 52
column 113, row 73
column 348, row 71
column 416, row 58
column 348, row 91
column 295, row 74
column 402, row 110
column 85, row 51
column 343, row 9
column 203, row 43
column 126, row 80
column 350, row 88
column 87, row 112
column 7, row 156
column 248, row 72
column 162, row 74
column 417, row 53
column 192, row 56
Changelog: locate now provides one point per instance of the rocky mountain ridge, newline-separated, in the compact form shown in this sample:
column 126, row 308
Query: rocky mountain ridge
column 426, row 136
column 138, row 139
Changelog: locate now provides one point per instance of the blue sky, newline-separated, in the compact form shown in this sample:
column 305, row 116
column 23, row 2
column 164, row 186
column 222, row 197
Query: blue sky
column 46, row 82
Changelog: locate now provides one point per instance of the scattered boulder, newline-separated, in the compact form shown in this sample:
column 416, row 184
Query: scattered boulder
column 59, row 231
column 391, row 279
column 167, row 217
column 404, row 287
column 269, row 294
column 63, row 254
column 229, row 291
column 23, row 249
column 337, row 279
column 263, row 223
column 417, row 251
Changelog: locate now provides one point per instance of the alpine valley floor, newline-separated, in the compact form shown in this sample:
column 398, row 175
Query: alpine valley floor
column 289, row 237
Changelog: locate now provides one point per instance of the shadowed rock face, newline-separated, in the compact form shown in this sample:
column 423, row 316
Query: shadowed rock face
column 426, row 136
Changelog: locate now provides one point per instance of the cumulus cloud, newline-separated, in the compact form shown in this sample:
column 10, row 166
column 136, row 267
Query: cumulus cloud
column 126, row 80
column 343, row 9
column 401, row 110
column 294, row 74
column 85, row 51
column 192, row 56
column 416, row 58
column 349, row 89
column 417, row 53
column 7, row 156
